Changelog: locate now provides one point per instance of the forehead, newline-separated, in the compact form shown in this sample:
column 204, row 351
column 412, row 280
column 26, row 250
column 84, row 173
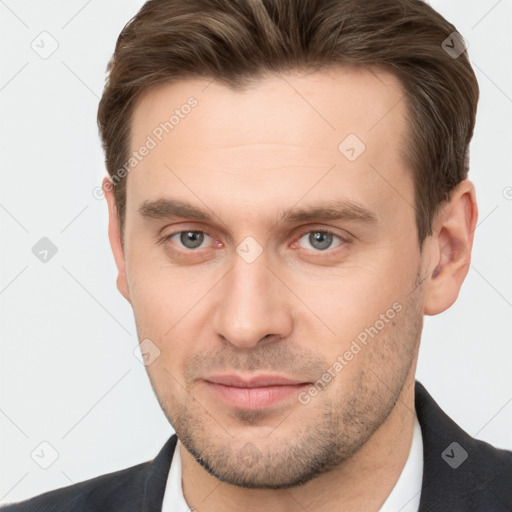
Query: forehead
column 211, row 140
column 314, row 106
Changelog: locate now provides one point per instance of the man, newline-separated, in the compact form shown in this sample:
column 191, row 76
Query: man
column 288, row 197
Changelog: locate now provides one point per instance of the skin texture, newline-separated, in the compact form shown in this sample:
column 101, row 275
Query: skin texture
column 245, row 157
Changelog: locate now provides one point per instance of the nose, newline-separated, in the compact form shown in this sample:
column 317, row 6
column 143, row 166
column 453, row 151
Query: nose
column 253, row 306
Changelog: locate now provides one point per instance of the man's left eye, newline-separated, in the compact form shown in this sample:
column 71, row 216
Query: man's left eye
column 319, row 240
column 190, row 239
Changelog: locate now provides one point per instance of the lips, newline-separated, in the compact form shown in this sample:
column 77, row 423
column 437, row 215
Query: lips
column 253, row 392
column 253, row 382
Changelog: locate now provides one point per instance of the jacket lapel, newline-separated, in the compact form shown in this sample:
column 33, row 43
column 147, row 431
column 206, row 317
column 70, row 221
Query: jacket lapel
column 154, row 487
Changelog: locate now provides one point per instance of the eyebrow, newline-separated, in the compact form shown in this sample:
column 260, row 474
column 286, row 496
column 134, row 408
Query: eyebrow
column 331, row 210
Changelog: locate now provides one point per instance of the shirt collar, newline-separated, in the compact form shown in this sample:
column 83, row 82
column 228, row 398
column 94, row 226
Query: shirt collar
column 405, row 495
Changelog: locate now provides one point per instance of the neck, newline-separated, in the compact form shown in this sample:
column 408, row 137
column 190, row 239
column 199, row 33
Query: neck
column 362, row 482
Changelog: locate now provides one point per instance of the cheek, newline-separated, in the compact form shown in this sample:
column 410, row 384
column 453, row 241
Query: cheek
column 356, row 299
column 166, row 302
column 158, row 291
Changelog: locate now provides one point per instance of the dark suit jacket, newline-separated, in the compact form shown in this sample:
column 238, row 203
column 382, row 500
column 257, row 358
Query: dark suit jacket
column 482, row 482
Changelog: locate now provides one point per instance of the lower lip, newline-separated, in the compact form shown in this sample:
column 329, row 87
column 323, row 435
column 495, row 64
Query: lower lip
column 254, row 398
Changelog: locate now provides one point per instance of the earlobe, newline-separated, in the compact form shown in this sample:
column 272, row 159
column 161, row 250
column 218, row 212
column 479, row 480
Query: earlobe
column 452, row 241
column 114, row 236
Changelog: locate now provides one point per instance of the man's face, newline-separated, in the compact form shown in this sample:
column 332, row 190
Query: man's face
column 251, row 305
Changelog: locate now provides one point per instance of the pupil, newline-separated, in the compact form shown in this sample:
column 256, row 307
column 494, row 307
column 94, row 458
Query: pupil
column 191, row 239
column 320, row 240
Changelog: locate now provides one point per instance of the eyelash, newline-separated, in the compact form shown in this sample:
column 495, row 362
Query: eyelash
column 344, row 240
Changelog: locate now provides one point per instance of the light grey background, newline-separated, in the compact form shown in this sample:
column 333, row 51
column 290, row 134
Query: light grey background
column 69, row 376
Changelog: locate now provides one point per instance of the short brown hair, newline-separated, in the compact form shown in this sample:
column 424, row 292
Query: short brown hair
column 239, row 41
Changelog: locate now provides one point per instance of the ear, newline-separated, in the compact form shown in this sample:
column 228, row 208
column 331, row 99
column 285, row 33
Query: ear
column 452, row 241
column 114, row 236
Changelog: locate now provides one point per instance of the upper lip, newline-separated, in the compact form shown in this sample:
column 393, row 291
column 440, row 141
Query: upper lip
column 257, row 381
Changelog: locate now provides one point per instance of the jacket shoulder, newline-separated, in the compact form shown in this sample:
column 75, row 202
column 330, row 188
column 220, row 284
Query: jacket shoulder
column 120, row 490
column 460, row 472
column 491, row 476
column 139, row 487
